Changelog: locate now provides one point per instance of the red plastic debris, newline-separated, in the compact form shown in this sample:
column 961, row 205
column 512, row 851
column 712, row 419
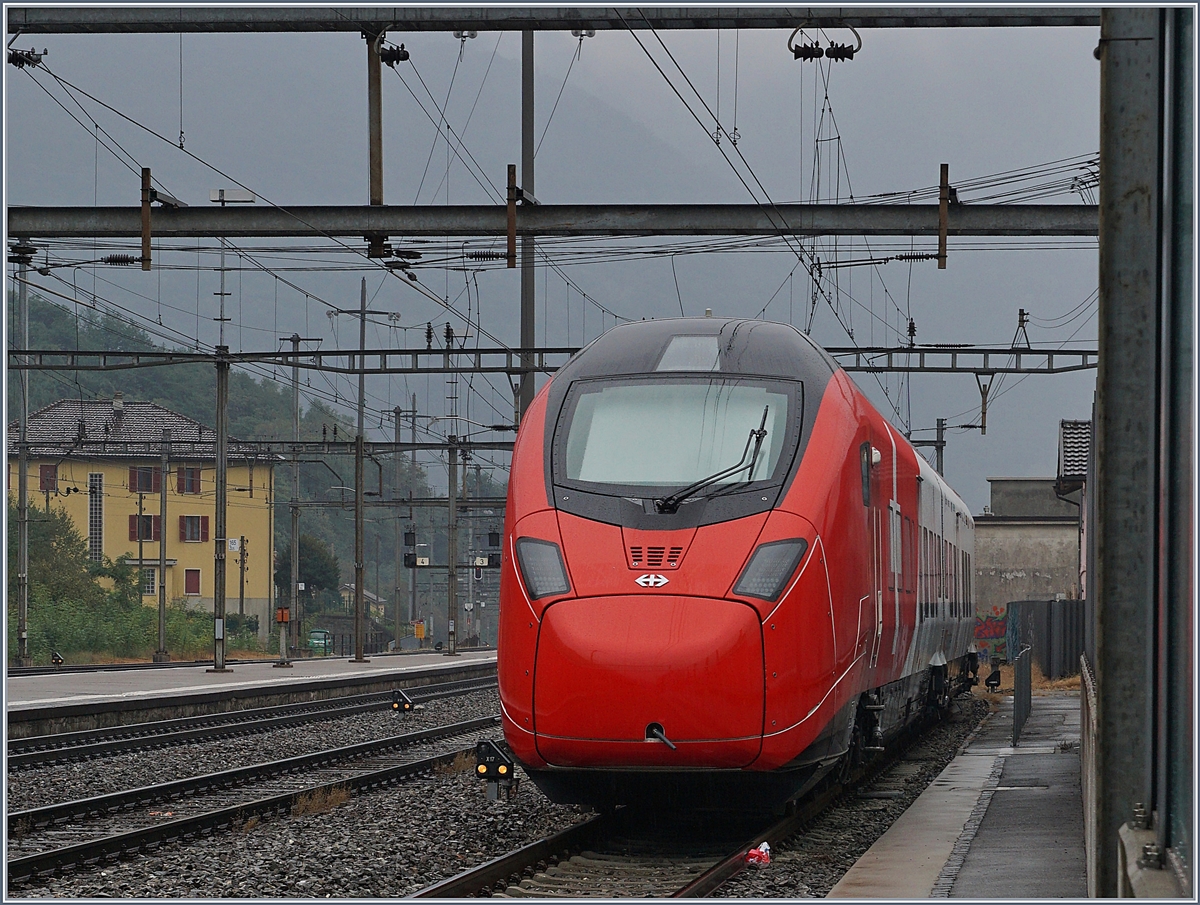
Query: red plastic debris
column 760, row 856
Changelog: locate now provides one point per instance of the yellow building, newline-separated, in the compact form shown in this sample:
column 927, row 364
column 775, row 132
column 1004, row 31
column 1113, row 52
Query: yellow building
column 100, row 461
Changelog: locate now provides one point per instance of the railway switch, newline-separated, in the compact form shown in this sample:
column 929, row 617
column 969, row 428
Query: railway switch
column 493, row 765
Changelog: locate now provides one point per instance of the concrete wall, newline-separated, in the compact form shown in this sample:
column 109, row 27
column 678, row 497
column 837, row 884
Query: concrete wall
column 1026, row 548
column 1028, row 498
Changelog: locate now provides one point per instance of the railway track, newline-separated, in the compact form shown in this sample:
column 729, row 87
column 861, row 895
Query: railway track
column 79, row 833
column 645, row 854
column 629, row 853
column 66, row 747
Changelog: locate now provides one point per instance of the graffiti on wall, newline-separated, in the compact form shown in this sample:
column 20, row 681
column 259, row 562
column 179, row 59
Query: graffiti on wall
column 991, row 628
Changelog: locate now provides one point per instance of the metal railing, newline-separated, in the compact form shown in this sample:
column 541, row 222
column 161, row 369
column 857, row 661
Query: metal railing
column 1022, row 690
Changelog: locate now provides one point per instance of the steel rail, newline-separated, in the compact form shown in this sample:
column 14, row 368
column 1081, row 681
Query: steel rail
column 34, row 818
column 91, row 743
column 498, row 870
column 29, row 867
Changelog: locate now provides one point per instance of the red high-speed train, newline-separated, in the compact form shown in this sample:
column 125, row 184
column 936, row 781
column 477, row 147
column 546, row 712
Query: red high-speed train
column 724, row 571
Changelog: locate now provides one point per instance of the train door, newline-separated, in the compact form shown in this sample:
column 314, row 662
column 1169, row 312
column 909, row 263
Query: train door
column 878, row 551
column 870, row 606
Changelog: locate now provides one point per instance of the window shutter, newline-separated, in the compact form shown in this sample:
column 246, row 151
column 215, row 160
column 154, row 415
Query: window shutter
column 156, row 527
column 179, row 479
column 156, row 480
column 204, row 527
column 183, row 527
column 133, row 527
column 133, row 480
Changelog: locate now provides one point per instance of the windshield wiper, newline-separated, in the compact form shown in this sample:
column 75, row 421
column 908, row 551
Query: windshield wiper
column 669, row 505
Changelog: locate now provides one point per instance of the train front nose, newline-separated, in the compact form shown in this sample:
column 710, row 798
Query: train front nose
column 649, row 681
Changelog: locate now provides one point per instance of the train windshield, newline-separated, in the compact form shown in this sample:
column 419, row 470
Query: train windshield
column 671, row 433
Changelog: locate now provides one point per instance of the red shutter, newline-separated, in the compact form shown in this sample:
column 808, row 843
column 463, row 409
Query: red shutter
column 156, row 480
column 179, row 479
column 156, row 527
column 133, row 480
column 183, row 527
column 133, row 526
column 204, row 527
column 191, row 581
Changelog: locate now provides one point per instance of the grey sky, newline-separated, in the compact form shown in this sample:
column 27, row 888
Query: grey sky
column 286, row 116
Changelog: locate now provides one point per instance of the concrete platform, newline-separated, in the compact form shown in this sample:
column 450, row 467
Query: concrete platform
column 68, row 701
column 999, row 822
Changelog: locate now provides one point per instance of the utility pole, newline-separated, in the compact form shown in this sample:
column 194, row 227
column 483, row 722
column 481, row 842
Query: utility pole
column 376, row 247
column 399, row 559
column 161, row 655
column 221, row 543
column 22, row 252
column 358, row 481
column 941, row 446
column 294, row 577
column 528, row 339
column 242, row 577
column 452, row 550
column 412, row 610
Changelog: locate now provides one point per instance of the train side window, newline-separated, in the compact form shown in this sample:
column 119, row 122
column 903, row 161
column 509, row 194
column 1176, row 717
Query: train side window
column 950, row 597
column 864, row 458
column 907, row 554
column 967, row 608
column 923, row 572
column 940, row 549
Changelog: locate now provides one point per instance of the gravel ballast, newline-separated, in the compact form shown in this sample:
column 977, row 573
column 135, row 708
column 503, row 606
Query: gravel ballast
column 40, row 786
column 811, row 862
column 396, row 841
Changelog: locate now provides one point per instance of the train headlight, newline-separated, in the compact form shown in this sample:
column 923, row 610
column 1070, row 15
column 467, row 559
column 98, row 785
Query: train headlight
column 767, row 573
column 542, row 567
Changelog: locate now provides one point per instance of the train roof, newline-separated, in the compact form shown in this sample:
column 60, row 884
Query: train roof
column 751, row 347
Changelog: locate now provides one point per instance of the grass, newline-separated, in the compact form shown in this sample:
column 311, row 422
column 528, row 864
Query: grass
column 320, row 801
column 1040, row 684
column 462, row 763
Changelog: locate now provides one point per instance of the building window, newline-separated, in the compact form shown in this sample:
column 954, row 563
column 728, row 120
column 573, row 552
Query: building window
column 150, row 527
column 48, row 478
column 148, row 586
column 191, row 582
column 193, row 528
column 187, row 479
column 95, row 516
column 145, row 479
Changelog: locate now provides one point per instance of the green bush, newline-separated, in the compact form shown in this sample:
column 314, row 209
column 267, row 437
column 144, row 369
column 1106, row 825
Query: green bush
column 71, row 612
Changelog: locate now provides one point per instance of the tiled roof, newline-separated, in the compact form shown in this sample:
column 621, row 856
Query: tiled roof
column 96, row 429
column 1074, row 444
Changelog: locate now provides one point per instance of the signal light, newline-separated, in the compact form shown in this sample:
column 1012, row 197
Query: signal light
column 493, row 538
column 401, row 703
column 410, row 560
column 410, row 538
column 493, row 765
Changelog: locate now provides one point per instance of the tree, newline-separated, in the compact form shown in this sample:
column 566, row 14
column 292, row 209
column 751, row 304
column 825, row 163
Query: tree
column 319, row 569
